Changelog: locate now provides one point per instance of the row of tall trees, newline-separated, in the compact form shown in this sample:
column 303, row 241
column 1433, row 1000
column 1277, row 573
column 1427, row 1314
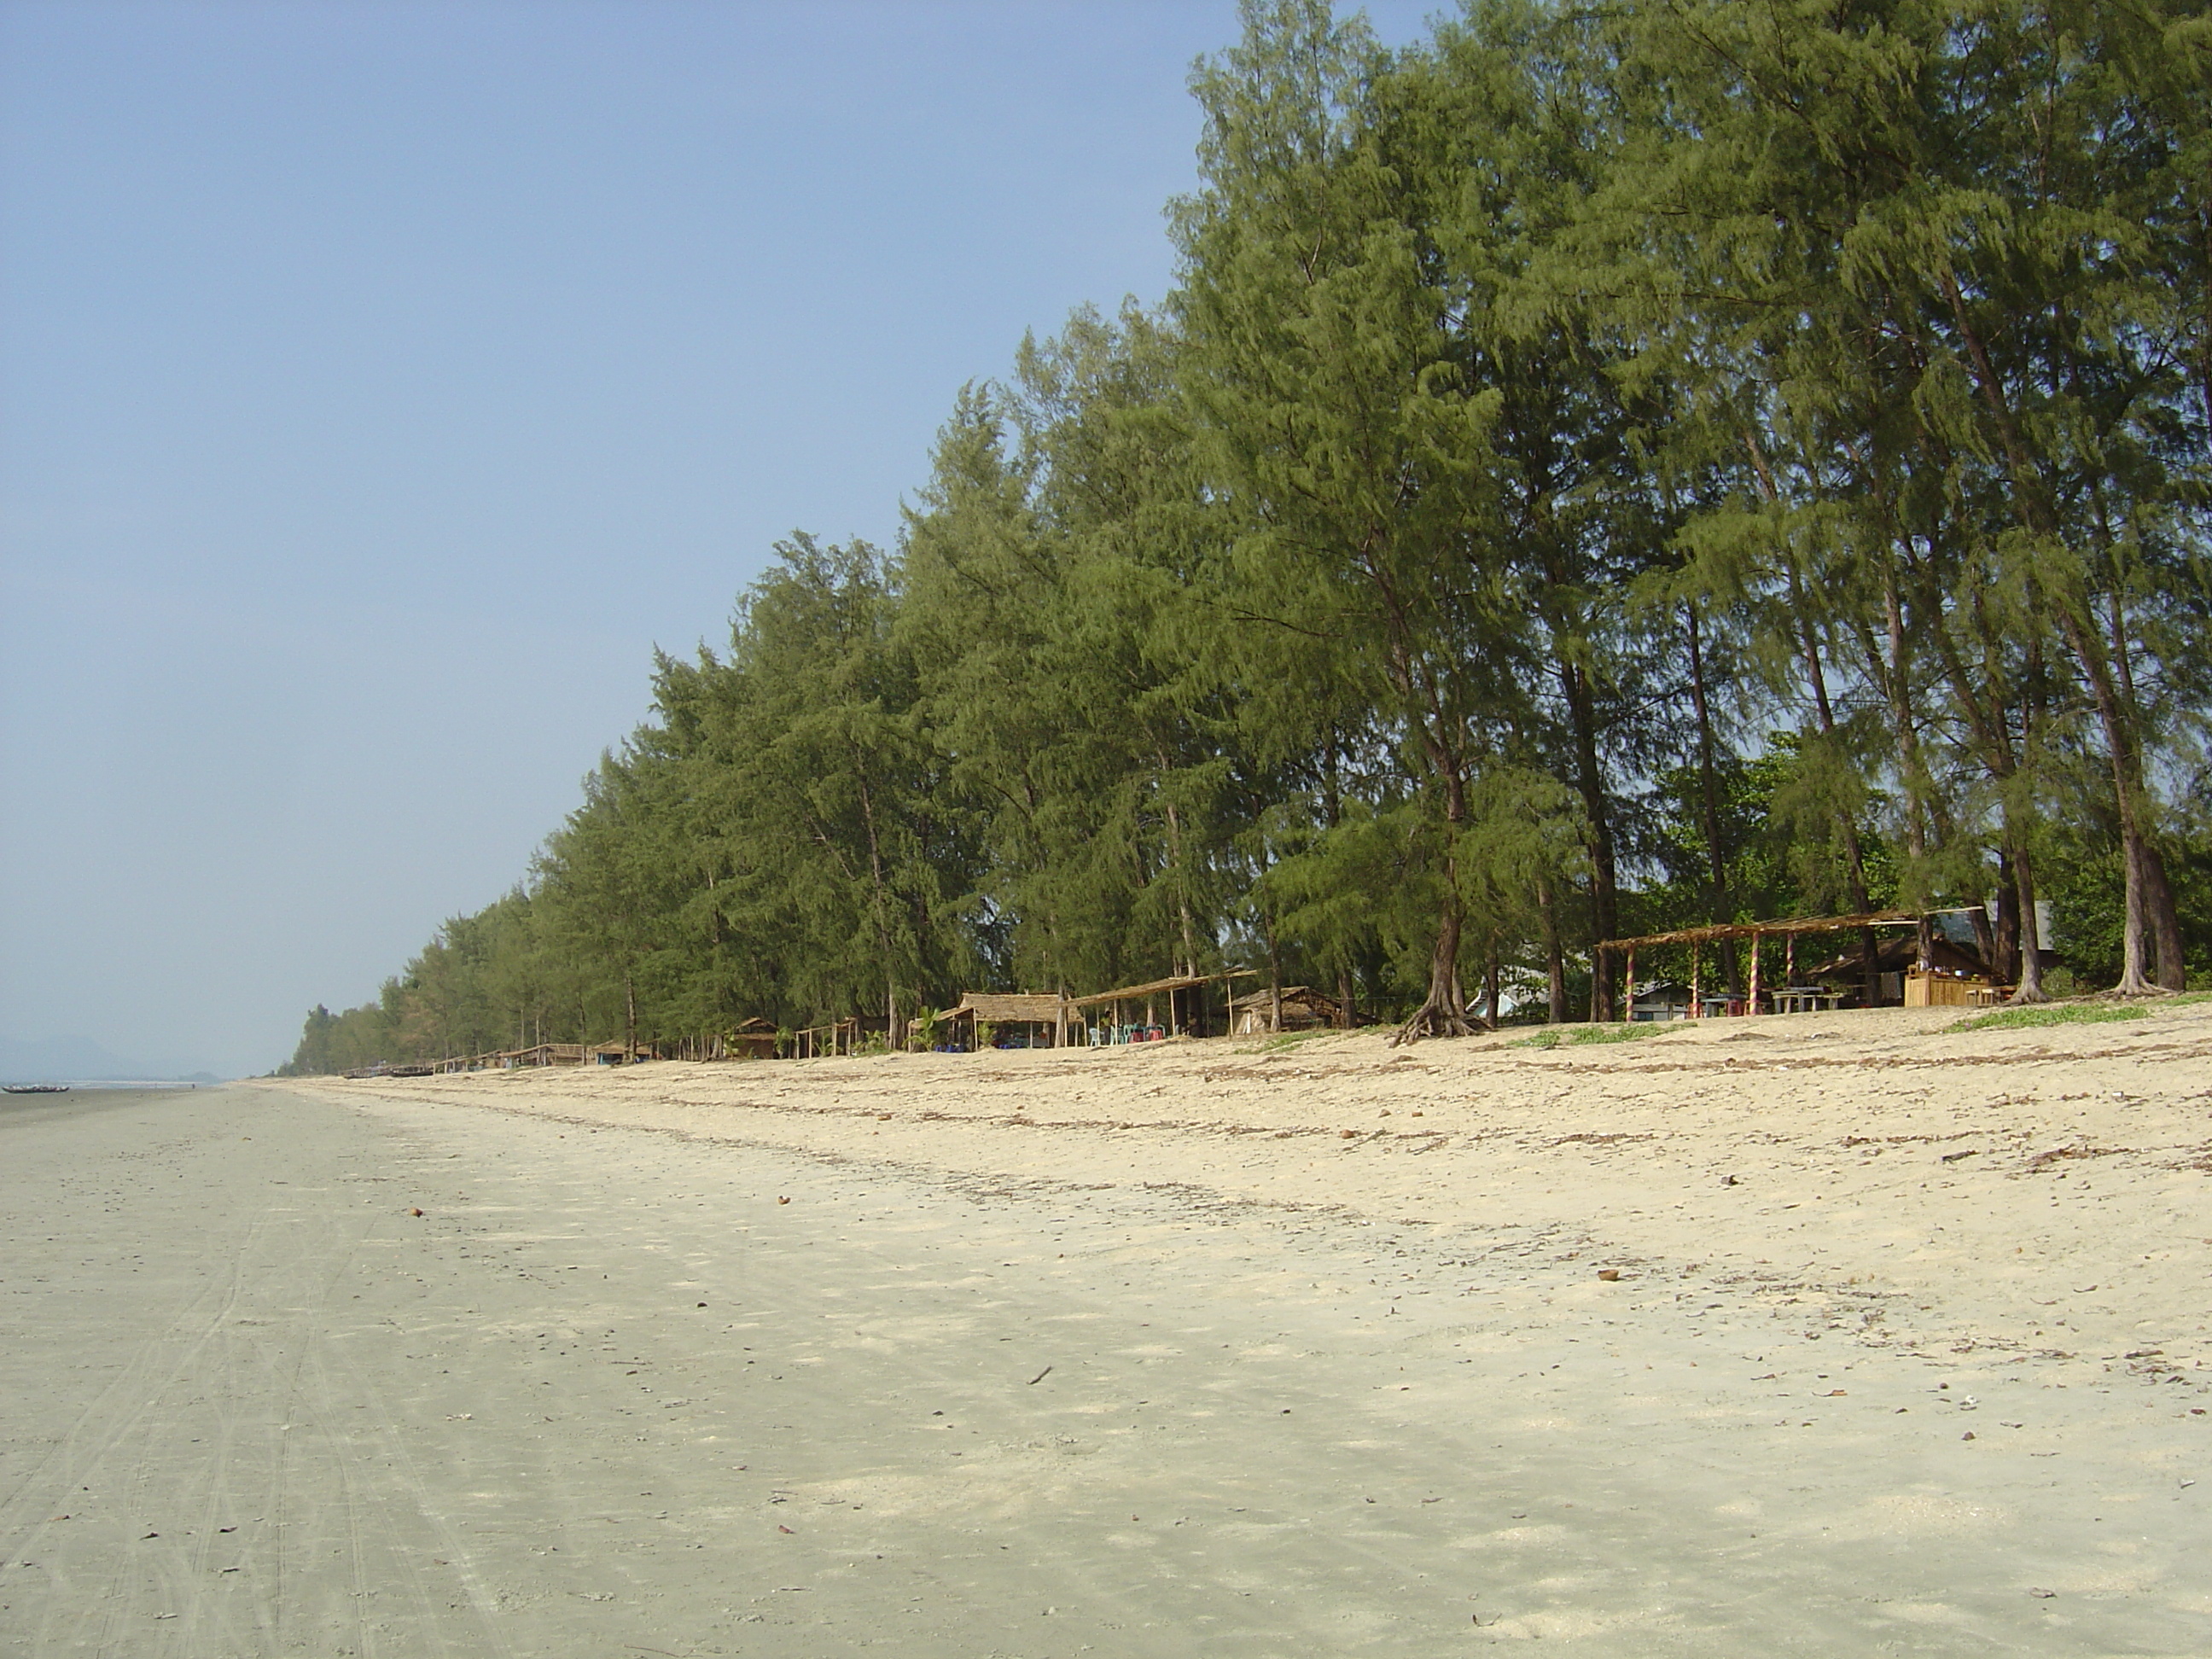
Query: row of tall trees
column 1599, row 469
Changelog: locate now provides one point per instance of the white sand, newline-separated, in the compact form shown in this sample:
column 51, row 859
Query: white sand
column 1845, row 1244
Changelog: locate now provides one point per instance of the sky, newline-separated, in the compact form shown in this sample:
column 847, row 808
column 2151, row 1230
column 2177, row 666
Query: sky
column 381, row 384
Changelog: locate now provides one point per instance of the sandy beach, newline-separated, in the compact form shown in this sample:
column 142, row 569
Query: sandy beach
column 1835, row 1333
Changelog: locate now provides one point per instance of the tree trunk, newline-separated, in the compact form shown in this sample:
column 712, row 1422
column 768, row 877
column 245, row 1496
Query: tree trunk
column 1897, row 686
column 2127, row 793
column 1183, row 887
column 2158, row 900
column 1444, row 1011
column 2160, row 918
column 1589, row 784
column 883, row 920
column 1332, row 800
column 1274, row 976
column 1716, row 908
column 1555, row 957
column 2132, row 981
column 2036, row 509
column 2006, row 963
column 2030, row 943
column 1854, row 865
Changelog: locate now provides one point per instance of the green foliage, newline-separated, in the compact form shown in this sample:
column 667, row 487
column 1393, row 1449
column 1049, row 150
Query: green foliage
column 1600, row 470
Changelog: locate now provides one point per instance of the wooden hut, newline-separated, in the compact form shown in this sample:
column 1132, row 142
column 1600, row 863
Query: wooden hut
column 619, row 1053
column 839, row 1037
column 1133, row 1013
column 1951, row 973
column 752, row 1039
column 1661, row 999
column 544, row 1054
column 1008, row 1020
column 1303, row 1008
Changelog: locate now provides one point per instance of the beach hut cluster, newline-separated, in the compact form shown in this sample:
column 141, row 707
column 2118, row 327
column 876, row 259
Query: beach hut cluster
column 1928, row 967
column 1734, row 969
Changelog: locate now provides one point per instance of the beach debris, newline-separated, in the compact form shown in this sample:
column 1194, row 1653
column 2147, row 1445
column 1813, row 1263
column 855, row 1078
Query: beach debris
column 2040, row 1594
column 1609, row 1274
column 1346, row 1135
column 702, row 1304
column 1040, row 1376
column 780, row 1526
column 1969, row 1434
column 415, row 1211
column 1727, row 1180
column 783, row 1200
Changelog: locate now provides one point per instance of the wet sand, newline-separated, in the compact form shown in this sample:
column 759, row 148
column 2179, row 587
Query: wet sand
column 1137, row 1352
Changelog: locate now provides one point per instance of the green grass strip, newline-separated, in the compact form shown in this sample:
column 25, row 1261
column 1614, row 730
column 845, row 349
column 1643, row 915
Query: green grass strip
column 2051, row 1013
column 1575, row 1036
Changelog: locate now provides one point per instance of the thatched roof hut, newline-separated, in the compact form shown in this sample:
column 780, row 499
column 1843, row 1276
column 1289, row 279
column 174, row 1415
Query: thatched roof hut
column 1039, row 1019
column 1303, row 1008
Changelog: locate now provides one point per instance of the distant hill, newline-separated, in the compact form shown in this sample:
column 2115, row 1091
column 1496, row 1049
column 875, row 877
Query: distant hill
column 83, row 1059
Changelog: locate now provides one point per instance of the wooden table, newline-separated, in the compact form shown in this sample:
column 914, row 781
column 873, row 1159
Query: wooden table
column 1806, row 1000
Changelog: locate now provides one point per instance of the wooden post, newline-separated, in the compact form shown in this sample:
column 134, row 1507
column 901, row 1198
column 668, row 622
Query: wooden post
column 1628, row 992
column 1697, row 984
column 1752, row 1007
column 1790, row 959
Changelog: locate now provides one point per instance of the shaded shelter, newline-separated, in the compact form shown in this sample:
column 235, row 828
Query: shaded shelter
column 1787, row 931
column 1037, row 1019
column 751, row 1039
column 1303, row 1008
column 1184, row 994
column 1948, row 976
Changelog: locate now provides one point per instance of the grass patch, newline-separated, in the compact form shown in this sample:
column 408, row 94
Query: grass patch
column 2051, row 1013
column 1552, row 1036
column 2186, row 999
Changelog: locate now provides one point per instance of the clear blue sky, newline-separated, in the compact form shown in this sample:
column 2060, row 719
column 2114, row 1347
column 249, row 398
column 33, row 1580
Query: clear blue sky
column 379, row 384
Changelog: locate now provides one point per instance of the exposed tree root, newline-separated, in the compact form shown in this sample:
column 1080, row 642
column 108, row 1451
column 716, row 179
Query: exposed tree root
column 1432, row 1019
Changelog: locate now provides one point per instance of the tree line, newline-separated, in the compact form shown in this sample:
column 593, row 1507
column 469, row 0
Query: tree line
column 1598, row 469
